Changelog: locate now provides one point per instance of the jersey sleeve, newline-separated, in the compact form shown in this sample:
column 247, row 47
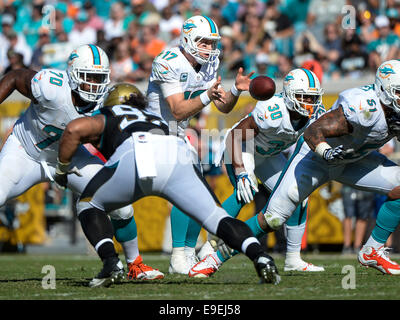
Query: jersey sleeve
column 167, row 76
column 359, row 110
column 267, row 115
column 41, row 90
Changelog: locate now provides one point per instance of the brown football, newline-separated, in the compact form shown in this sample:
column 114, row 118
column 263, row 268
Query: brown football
column 262, row 88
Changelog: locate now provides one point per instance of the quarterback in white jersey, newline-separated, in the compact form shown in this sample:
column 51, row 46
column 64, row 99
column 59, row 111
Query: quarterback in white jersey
column 183, row 81
column 342, row 146
column 253, row 149
column 29, row 156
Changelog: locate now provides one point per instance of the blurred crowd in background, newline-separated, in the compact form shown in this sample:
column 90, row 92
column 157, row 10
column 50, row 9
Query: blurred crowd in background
column 334, row 38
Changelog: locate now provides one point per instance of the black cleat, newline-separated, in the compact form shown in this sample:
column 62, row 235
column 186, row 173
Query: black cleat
column 112, row 272
column 266, row 269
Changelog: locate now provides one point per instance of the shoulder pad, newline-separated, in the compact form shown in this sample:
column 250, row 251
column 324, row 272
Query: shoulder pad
column 269, row 113
column 162, row 70
column 44, row 85
column 359, row 106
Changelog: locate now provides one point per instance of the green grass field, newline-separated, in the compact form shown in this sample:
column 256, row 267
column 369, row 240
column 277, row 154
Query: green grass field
column 21, row 279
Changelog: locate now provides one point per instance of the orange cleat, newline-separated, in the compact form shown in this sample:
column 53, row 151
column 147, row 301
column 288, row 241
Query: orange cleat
column 378, row 259
column 204, row 268
column 139, row 271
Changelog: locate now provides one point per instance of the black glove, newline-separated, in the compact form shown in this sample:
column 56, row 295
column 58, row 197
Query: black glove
column 61, row 179
column 333, row 154
column 393, row 122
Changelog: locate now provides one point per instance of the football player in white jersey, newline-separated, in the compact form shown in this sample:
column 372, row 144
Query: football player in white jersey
column 183, row 81
column 342, row 146
column 145, row 160
column 29, row 155
column 253, row 149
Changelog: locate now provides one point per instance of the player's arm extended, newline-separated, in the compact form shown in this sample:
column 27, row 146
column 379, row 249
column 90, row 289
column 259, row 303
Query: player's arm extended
column 247, row 129
column 20, row 80
column 182, row 108
column 332, row 124
column 80, row 131
column 228, row 99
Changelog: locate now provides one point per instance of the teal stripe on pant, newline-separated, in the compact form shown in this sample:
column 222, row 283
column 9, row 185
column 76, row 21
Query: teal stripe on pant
column 387, row 221
column 124, row 230
column 299, row 216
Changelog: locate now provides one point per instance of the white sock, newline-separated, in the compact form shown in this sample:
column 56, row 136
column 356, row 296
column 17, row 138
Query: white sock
column 371, row 242
column 131, row 250
column 189, row 251
column 293, row 256
column 294, row 237
column 178, row 251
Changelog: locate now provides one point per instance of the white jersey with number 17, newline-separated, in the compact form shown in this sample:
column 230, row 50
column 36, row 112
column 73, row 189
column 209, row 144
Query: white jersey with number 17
column 172, row 73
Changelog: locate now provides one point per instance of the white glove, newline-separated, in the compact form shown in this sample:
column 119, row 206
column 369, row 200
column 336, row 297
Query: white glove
column 245, row 185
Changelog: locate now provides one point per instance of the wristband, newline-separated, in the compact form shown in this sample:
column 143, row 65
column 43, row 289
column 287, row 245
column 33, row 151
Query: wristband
column 321, row 148
column 62, row 168
column 205, row 99
column 235, row 91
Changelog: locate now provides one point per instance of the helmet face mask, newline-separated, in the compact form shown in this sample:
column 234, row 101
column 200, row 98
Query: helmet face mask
column 302, row 91
column 198, row 32
column 387, row 84
column 89, row 73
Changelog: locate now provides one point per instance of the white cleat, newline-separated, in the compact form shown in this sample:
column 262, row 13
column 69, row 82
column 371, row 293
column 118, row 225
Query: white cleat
column 178, row 264
column 378, row 259
column 192, row 259
column 205, row 268
column 205, row 250
column 300, row 265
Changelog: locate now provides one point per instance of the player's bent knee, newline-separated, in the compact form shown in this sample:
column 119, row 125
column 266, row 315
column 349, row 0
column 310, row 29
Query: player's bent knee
column 273, row 220
column 122, row 213
column 212, row 220
column 82, row 206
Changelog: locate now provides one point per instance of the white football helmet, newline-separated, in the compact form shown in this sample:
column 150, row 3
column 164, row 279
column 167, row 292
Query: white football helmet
column 387, row 84
column 88, row 66
column 195, row 29
column 299, row 83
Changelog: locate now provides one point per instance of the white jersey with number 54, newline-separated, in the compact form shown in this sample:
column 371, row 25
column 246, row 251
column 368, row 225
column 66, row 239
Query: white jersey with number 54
column 172, row 73
column 363, row 110
column 42, row 124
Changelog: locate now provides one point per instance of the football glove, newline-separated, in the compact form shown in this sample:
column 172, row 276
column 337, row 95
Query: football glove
column 219, row 244
column 61, row 178
column 333, row 154
column 245, row 186
column 393, row 122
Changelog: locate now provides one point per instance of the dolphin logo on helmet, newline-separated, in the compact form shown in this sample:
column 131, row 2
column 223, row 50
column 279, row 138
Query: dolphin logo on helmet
column 298, row 84
column 196, row 29
column 86, row 63
column 387, row 84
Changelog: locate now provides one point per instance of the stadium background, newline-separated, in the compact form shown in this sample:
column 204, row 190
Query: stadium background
column 317, row 35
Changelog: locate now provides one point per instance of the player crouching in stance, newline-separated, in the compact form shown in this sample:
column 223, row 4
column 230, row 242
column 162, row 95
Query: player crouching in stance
column 342, row 146
column 273, row 126
column 29, row 155
column 145, row 161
